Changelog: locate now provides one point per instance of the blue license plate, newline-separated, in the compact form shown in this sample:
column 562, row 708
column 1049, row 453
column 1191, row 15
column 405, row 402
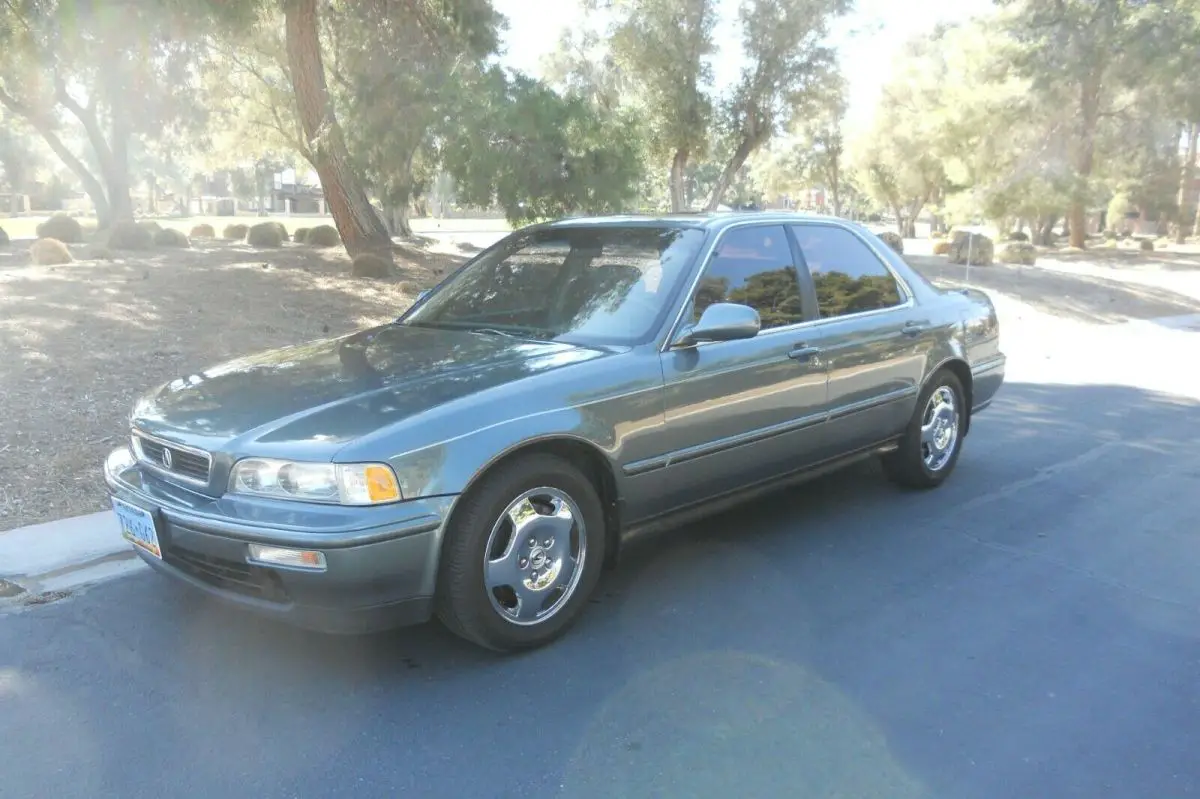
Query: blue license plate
column 137, row 526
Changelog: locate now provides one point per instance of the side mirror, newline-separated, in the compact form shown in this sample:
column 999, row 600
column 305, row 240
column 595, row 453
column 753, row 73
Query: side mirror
column 722, row 321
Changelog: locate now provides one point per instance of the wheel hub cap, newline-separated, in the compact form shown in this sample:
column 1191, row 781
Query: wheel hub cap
column 939, row 429
column 534, row 556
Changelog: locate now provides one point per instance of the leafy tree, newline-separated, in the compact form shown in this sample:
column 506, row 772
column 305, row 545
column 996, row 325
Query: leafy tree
column 384, row 58
column 19, row 158
column 116, row 70
column 662, row 47
column 1078, row 54
column 515, row 141
column 357, row 223
column 790, row 70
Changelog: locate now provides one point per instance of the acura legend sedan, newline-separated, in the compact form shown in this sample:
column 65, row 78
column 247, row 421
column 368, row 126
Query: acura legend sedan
column 482, row 457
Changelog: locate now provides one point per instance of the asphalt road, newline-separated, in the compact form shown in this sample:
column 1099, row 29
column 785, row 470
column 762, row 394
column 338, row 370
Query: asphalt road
column 1029, row 629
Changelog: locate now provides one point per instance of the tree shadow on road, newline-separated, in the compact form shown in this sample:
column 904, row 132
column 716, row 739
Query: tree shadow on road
column 1084, row 298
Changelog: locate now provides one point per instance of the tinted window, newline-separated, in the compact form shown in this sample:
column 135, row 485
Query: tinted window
column 602, row 285
column 849, row 278
column 753, row 266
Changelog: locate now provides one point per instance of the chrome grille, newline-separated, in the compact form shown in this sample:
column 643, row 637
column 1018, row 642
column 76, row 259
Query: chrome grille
column 191, row 465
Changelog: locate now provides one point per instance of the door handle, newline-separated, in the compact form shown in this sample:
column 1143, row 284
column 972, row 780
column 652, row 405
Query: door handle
column 803, row 352
column 915, row 328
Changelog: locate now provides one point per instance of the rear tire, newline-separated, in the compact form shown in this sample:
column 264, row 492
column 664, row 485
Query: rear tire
column 523, row 552
column 932, row 441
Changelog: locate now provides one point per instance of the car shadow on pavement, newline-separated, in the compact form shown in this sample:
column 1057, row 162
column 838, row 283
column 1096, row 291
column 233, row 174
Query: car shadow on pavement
column 843, row 637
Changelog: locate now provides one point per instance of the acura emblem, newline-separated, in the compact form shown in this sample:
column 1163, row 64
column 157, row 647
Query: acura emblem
column 167, row 458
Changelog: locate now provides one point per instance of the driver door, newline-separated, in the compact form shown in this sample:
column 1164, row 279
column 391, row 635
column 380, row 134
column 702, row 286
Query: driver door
column 742, row 412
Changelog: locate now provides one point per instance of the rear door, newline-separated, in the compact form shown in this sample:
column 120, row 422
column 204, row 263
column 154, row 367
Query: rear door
column 873, row 337
column 740, row 412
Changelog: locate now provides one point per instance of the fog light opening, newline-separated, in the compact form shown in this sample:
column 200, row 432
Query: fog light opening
column 306, row 559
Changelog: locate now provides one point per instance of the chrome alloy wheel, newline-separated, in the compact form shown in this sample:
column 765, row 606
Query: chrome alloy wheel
column 534, row 556
column 939, row 429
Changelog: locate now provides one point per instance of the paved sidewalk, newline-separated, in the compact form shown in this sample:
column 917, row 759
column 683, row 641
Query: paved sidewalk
column 64, row 554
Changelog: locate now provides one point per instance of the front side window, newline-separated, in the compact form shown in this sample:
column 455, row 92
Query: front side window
column 586, row 285
column 753, row 266
column 848, row 277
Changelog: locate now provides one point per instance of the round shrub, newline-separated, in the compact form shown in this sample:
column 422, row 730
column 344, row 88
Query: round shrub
column 300, row 234
column 1110, row 235
column 1018, row 235
column 151, row 226
column 973, row 247
column 50, row 252
column 62, row 228
column 323, row 236
column 1017, row 252
column 170, row 237
column 265, row 234
column 893, row 240
column 235, row 232
column 283, row 234
column 1146, row 245
column 368, row 264
column 941, row 248
column 129, row 235
column 203, row 232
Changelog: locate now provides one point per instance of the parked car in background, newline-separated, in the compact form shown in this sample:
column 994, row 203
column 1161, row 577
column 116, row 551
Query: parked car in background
column 482, row 457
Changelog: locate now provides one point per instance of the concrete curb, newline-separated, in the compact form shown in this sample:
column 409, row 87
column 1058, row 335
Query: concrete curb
column 64, row 554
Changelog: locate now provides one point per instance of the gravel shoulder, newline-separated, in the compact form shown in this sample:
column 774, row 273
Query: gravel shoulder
column 80, row 342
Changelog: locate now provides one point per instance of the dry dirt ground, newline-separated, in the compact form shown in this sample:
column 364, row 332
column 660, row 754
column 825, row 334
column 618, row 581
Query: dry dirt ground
column 79, row 343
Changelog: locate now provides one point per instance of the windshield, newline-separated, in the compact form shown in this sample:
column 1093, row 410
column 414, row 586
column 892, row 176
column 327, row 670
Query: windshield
column 586, row 285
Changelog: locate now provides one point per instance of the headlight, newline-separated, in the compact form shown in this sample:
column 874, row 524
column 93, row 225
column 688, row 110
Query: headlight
column 339, row 483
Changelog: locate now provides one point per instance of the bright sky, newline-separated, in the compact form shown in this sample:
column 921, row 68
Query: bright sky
column 868, row 39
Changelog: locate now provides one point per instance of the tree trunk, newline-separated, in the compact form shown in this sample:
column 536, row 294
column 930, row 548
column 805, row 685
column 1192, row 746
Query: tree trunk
column 93, row 187
column 676, row 182
column 1045, row 236
column 397, row 220
column 1186, row 175
column 740, row 155
column 355, row 218
column 1089, row 114
column 835, row 185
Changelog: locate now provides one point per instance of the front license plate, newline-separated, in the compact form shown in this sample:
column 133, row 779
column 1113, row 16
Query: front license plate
column 137, row 525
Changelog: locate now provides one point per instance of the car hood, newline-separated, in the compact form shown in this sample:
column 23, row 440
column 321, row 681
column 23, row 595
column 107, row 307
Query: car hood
column 309, row 400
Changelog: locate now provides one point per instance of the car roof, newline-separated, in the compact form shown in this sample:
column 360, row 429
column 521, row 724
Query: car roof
column 707, row 220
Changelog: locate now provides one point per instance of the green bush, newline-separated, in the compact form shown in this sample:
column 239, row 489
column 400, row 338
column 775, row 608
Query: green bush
column 129, row 235
column 893, row 240
column 62, row 228
column 283, row 234
column 203, row 232
column 323, row 236
column 50, row 252
column 265, row 234
column 235, row 232
column 1110, row 235
column 1146, row 245
column 369, row 264
column 299, row 235
column 170, row 237
column 1018, row 235
column 942, row 247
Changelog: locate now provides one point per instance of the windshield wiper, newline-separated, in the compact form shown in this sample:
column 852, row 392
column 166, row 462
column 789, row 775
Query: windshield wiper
column 492, row 331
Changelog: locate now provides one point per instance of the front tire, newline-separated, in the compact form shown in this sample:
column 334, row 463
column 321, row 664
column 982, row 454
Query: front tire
column 523, row 552
column 933, row 439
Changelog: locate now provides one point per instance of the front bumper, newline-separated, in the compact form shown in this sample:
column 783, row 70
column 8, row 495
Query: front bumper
column 381, row 562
